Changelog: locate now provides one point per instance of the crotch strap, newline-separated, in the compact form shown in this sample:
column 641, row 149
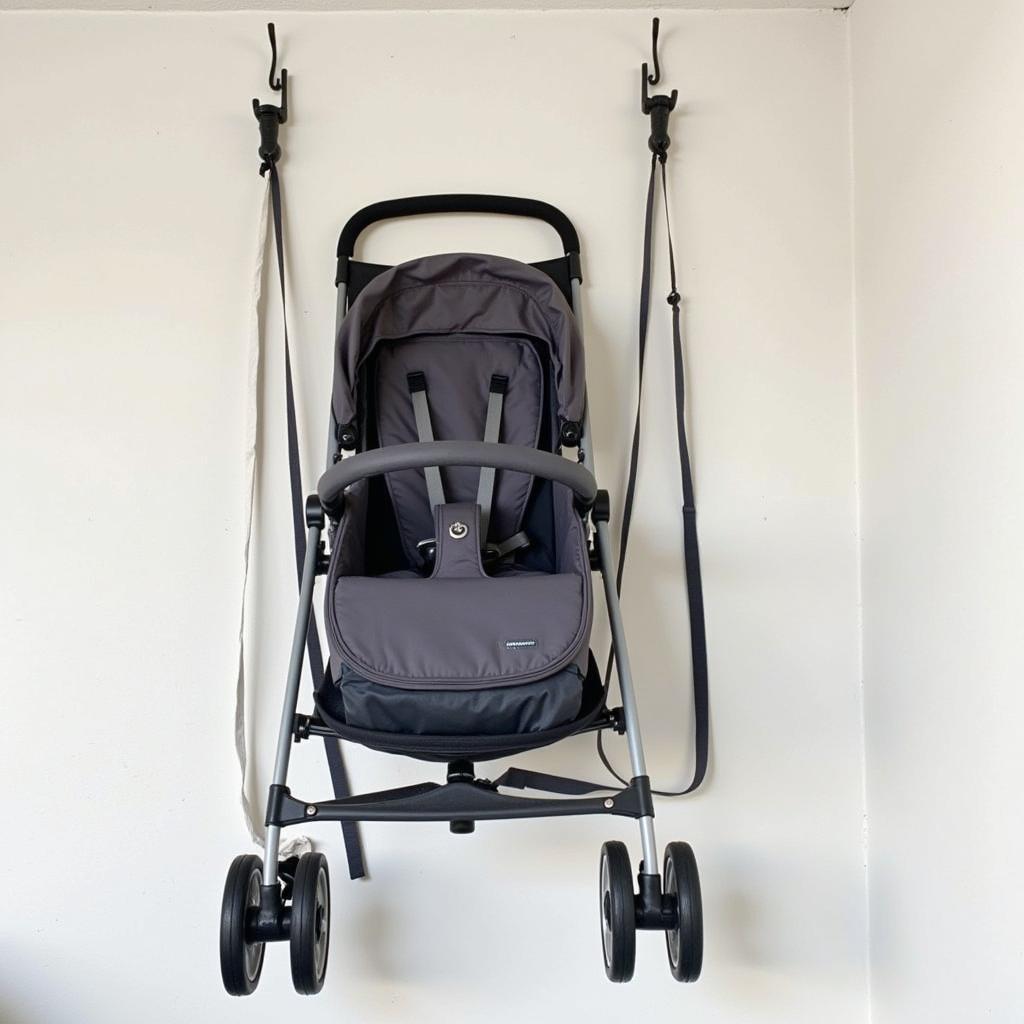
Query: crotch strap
column 457, row 530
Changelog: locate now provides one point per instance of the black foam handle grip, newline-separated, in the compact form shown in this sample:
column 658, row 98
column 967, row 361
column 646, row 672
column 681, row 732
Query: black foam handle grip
column 415, row 206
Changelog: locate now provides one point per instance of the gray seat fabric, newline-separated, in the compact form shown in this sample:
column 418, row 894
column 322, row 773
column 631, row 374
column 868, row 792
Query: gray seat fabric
column 465, row 634
column 458, row 370
column 463, row 652
column 457, row 649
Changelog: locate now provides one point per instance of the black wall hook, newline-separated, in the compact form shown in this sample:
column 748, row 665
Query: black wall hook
column 656, row 107
column 656, row 77
column 281, row 83
column 269, row 116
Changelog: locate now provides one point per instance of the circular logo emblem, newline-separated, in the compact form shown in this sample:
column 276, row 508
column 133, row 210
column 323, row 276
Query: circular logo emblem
column 457, row 530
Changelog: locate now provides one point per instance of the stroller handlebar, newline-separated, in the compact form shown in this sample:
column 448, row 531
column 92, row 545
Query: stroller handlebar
column 419, row 205
column 419, row 454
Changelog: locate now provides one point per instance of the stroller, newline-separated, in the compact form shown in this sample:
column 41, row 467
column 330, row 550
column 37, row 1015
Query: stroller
column 462, row 545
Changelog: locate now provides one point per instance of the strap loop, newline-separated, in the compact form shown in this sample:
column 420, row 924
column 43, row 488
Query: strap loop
column 691, row 552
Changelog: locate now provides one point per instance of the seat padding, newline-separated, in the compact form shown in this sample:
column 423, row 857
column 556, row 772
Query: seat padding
column 465, row 633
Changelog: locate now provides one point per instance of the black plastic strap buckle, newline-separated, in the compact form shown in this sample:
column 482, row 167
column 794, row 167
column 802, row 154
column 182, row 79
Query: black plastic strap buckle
column 346, row 436
column 570, row 433
column 601, row 510
column 658, row 108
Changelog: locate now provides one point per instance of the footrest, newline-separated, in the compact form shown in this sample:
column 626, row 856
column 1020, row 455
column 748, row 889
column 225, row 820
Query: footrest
column 467, row 801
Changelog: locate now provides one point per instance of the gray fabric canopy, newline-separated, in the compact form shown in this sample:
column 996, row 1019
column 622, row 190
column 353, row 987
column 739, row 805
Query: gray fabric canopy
column 461, row 293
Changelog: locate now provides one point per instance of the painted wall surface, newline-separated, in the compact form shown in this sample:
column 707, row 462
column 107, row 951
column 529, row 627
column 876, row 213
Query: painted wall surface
column 128, row 213
column 937, row 96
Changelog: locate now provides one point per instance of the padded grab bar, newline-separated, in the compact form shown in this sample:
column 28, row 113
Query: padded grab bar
column 418, row 205
column 417, row 454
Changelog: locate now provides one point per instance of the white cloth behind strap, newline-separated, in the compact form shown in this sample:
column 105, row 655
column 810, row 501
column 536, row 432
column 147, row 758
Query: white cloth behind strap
column 253, row 821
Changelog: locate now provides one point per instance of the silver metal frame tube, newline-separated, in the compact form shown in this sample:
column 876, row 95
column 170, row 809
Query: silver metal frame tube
column 629, row 707
column 637, row 764
column 291, row 695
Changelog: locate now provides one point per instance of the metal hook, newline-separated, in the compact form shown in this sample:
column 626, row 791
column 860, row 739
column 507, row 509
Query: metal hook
column 658, row 107
column 651, row 79
column 269, row 116
column 279, row 84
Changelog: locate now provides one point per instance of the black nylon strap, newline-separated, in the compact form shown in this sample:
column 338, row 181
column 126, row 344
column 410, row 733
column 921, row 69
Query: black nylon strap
column 521, row 778
column 691, row 553
column 332, row 746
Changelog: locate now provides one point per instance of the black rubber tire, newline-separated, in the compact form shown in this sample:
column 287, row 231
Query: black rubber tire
column 685, row 942
column 618, row 912
column 241, row 962
column 310, row 929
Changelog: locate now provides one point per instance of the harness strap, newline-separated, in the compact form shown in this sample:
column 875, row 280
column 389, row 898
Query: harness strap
column 421, row 408
column 516, row 542
column 691, row 553
column 492, row 434
column 332, row 746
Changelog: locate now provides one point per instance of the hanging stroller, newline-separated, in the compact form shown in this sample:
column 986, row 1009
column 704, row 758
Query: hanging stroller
column 458, row 584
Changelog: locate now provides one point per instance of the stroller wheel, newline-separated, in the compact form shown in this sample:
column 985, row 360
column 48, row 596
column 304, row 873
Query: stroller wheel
column 240, row 961
column 686, row 940
column 618, row 912
column 310, row 928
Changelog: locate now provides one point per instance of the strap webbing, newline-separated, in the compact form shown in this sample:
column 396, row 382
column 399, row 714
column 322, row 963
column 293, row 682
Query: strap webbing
column 421, row 408
column 332, row 746
column 691, row 553
column 492, row 434
column 510, row 545
column 521, row 778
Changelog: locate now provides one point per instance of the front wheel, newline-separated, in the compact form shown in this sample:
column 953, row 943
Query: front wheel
column 310, row 929
column 240, row 961
column 618, row 912
column 685, row 940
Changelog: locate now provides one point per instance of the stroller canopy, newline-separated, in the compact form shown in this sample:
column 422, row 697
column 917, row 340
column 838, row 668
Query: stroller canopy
column 466, row 294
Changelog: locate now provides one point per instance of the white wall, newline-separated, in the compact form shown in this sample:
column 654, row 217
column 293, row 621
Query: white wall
column 937, row 91
column 128, row 210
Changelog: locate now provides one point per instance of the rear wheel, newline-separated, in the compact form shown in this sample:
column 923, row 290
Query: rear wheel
column 310, row 928
column 686, row 940
column 618, row 912
column 240, row 961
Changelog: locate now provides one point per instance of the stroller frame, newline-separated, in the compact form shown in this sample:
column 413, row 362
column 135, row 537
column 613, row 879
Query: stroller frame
column 462, row 798
column 255, row 910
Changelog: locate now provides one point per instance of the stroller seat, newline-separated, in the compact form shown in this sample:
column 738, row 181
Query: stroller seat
column 461, row 652
column 458, row 598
